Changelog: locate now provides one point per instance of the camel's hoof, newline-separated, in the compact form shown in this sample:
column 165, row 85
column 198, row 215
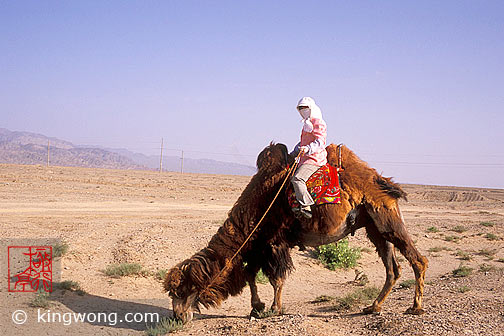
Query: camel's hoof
column 415, row 311
column 371, row 310
column 258, row 306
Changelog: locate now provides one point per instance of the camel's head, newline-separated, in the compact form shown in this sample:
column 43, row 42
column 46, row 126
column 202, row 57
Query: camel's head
column 182, row 291
column 274, row 158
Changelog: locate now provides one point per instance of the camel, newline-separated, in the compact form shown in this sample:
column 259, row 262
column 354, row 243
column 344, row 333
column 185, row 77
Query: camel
column 368, row 201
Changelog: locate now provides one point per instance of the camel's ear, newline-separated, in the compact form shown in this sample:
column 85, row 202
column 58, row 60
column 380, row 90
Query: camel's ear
column 173, row 279
column 285, row 154
column 263, row 158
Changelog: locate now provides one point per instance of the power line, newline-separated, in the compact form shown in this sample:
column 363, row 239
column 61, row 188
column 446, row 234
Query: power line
column 447, row 164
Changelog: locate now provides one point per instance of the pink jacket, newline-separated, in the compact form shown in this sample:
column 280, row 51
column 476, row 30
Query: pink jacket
column 316, row 140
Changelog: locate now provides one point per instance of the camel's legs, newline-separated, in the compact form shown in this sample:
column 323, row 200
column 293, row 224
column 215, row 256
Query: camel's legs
column 402, row 240
column 392, row 270
column 277, row 284
column 255, row 301
column 419, row 264
column 386, row 252
column 276, row 269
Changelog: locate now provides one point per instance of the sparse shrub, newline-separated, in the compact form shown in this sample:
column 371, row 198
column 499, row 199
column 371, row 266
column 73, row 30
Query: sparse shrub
column 59, row 249
column 459, row 229
column 361, row 278
column 265, row 314
column 355, row 298
column 261, row 277
column 486, row 268
column 70, row 285
column 161, row 274
column 124, row 269
column 67, row 285
column 462, row 271
column 463, row 255
column 487, row 253
column 339, row 255
column 165, row 326
column 439, row 249
column 407, row 283
column 500, row 260
column 41, row 300
column 487, row 224
column 453, row 239
column 432, row 229
column 491, row 236
column 322, row 298
column 464, row 289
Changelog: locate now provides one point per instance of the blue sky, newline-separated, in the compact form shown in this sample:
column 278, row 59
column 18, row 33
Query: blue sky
column 415, row 88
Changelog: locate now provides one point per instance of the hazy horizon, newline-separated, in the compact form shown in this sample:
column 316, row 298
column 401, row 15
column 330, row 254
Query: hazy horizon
column 415, row 89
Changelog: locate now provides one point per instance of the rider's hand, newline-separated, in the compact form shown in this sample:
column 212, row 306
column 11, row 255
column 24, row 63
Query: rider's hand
column 304, row 150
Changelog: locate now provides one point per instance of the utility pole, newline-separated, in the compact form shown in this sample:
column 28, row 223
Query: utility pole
column 47, row 152
column 161, row 157
column 182, row 163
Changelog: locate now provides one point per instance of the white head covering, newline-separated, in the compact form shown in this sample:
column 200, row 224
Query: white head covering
column 313, row 112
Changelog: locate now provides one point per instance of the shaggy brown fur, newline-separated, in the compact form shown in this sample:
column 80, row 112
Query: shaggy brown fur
column 196, row 273
column 373, row 198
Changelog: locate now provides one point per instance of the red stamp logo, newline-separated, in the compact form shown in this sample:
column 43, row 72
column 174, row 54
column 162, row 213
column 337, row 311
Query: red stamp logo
column 30, row 268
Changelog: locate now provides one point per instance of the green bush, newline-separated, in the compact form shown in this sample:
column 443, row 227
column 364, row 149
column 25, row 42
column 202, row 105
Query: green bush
column 59, row 249
column 40, row 300
column 261, row 277
column 463, row 255
column 69, row 285
column 339, row 255
column 491, row 236
column 165, row 326
column 356, row 298
column 161, row 274
column 407, row 283
column 464, row 289
column 322, row 298
column 459, row 229
column 124, row 269
column 462, row 271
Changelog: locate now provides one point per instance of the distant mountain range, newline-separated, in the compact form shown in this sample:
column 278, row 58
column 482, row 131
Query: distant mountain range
column 31, row 148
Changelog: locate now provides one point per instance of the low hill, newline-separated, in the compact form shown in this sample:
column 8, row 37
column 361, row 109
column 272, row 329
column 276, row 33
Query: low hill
column 31, row 148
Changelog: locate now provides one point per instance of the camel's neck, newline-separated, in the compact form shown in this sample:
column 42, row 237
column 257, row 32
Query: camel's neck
column 230, row 237
column 241, row 221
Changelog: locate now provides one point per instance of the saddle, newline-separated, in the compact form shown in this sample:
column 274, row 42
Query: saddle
column 323, row 187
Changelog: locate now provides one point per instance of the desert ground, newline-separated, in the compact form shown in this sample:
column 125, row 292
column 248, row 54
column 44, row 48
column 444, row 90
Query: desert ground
column 107, row 217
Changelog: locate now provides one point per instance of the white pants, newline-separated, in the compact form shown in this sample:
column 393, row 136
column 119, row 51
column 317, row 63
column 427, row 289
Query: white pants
column 302, row 174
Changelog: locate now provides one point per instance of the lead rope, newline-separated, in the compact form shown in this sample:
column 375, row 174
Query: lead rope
column 230, row 261
column 339, row 157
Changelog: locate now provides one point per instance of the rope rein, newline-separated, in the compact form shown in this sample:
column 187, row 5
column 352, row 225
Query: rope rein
column 230, row 261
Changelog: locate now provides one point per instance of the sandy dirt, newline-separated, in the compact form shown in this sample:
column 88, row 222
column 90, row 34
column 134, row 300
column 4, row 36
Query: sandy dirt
column 112, row 216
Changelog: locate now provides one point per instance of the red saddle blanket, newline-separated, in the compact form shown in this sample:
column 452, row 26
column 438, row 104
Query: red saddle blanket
column 323, row 186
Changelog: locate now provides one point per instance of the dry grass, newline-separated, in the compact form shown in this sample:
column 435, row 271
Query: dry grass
column 407, row 283
column 462, row 271
column 165, row 326
column 459, row 229
column 356, row 298
column 124, row 269
column 322, row 298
